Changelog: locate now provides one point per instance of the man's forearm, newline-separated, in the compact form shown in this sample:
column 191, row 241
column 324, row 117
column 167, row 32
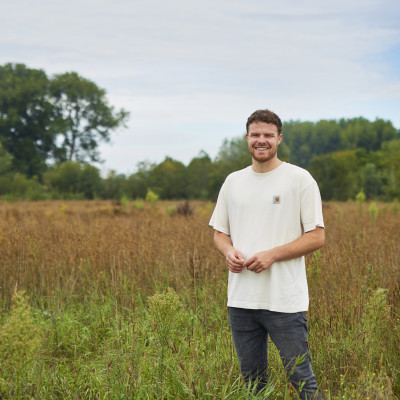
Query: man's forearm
column 222, row 242
column 303, row 245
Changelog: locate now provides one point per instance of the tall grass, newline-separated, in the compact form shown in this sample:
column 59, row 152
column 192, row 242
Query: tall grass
column 130, row 302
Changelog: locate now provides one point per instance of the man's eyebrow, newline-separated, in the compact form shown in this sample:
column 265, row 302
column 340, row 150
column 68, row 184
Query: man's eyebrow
column 262, row 133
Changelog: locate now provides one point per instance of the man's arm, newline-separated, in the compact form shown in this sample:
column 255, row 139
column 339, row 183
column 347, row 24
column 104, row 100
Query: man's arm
column 234, row 258
column 303, row 245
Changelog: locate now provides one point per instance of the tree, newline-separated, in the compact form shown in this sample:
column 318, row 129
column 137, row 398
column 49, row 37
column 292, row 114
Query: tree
column 197, row 174
column 83, row 117
column 90, row 183
column 26, row 115
column 168, row 179
column 113, row 185
column 297, row 138
column 64, row 177
column 325, row 137
column 390, row 164
column 372, row 181
column 5, row 171
column 5, row 161
column 37, row 113
column 73, row 178
column 138, row 183
column 337, row 174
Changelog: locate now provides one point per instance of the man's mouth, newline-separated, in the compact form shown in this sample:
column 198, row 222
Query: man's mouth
column 262, row 148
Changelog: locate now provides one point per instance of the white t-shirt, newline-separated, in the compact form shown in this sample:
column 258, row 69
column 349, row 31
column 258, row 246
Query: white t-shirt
column 260, row 211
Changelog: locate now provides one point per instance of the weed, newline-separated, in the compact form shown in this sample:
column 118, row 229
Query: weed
column 20, row 339
column 124, row 203
column 185, row 209
column 373, row 211
column 394, row 208
column 171, row 210
column 138, row 204
column 151, row 197
column 360, row 199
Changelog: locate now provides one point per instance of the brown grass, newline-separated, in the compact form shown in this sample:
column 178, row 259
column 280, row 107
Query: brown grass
column 62, row 250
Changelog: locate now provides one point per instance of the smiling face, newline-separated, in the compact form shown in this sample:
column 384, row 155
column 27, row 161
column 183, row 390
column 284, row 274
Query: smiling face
column 263, row 140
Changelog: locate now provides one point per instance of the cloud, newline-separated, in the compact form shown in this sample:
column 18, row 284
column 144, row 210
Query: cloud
column 191, row 72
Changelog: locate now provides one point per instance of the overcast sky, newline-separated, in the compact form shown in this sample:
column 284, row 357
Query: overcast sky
column 191, row 72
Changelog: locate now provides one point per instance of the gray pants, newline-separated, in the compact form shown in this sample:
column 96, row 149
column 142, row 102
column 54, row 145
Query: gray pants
column 288, row 331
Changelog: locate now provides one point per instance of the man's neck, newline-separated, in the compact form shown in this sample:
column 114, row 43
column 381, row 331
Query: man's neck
column 267, row 166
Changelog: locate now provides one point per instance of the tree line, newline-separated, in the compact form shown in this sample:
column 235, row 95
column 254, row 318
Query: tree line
column 50, row 128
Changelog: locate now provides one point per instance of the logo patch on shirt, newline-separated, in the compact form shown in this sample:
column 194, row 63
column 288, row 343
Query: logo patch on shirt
column 276, row 199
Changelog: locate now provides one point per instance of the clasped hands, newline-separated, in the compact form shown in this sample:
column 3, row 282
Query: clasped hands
column 259, row 262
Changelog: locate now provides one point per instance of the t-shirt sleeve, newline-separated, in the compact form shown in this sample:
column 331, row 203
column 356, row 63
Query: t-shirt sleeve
column 220, row 217
column 311, row 207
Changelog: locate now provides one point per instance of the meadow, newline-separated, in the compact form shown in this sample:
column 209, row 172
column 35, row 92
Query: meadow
column 103, row 300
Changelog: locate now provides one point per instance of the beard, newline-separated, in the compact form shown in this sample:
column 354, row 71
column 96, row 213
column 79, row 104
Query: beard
column 269, row 155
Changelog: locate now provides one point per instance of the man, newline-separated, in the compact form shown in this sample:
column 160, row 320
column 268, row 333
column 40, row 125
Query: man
column 267, row 217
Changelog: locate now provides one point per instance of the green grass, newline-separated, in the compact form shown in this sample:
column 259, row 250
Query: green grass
column 94, row 348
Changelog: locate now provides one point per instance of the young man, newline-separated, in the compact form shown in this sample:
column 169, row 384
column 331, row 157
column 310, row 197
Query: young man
column 267, row 217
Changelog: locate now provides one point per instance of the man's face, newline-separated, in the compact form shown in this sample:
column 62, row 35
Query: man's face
column 263, row 140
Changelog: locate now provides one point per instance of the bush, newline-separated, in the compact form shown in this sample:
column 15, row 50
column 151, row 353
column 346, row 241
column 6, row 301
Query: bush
column 20, row 339
column 151, row 197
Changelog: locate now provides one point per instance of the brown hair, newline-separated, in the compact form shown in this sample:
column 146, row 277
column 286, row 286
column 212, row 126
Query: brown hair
column 264, row 116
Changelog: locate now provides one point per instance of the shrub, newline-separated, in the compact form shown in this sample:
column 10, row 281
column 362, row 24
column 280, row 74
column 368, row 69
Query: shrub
column 20, row 339
column 373, row 211
column 138, row 204
column 151, row 197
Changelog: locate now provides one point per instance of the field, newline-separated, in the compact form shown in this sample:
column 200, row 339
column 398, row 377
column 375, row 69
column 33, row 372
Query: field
column 103, row 300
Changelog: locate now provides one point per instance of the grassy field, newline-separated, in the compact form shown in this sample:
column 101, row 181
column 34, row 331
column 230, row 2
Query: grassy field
column 101, row 300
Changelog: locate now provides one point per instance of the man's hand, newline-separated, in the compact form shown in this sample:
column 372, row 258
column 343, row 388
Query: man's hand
column 260, row 261
column 234, row 260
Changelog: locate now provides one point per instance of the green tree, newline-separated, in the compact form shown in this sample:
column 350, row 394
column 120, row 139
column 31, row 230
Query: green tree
column 390, row 169
column 137, row 183
column 168, row 179
column 385, row 132
column 297, row 137
column 232, row 156
column 5, row 170
column 358, row 133
column 236, row 152
column 83, row 117
column 372, row 181
column 114, row 186
column 310, row 139
column 74, row 178
column 337, row 174
column 90, row 182
column 64, row 177
column 5, row 161
column 198, row 175
column 26, row 115
column 325, row 138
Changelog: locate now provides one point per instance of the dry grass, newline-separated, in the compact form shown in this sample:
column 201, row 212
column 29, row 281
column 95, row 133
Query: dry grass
column 78, row 245
column 62, row 252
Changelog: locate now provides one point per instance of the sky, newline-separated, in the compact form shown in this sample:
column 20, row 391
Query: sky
column 191, row 72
